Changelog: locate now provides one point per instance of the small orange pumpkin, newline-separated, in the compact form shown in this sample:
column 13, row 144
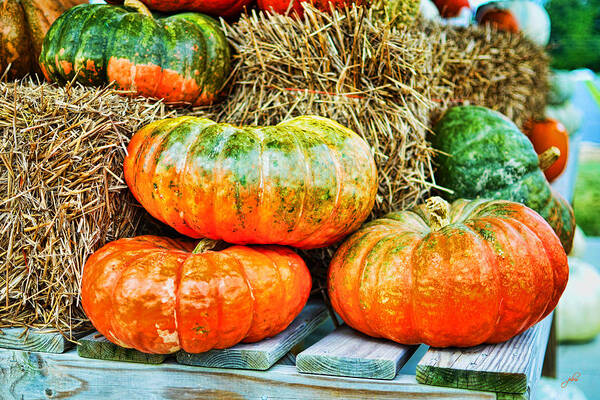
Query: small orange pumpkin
column 546, row 134
column 152, row 294
column 503, row 20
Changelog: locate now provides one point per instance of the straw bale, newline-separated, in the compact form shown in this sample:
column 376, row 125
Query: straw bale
column 358, row 71
column 483, row 66
column 62, row 194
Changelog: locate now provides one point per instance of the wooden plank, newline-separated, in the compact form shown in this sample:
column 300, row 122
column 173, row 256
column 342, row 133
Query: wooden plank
column 36, row 340
column 509, row 367
column 97, row 346
column 29, row 375
column 261, row 355
column 550, row 361
column 346, row 352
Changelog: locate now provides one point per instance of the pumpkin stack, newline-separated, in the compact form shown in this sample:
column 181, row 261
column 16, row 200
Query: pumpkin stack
column 306, row 182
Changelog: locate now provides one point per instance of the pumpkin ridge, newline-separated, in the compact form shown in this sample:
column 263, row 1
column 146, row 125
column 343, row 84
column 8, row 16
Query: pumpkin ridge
column 540, row 272
column 488, row 240
column 275, row 266
column 113, row 311
column 343, row 255
column 150, row 157
column 306, row 185
column 506, row 227
column 384, row 243
column 325, row 222
column 250, row 288
column 360, row 319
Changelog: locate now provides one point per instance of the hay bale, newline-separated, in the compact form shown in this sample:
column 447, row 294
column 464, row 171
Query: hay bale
column 483, row 66
column 62, row 194
column 353, row 69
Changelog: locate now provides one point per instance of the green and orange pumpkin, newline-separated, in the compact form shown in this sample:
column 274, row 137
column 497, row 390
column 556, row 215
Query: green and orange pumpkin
column 483, row 154
column 154, row 295
column 180, row 58
column 23, row 25
column 449, row 275
column 306, row 182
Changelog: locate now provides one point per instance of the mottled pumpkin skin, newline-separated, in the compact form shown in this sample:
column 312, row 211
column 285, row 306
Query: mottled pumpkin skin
column 217, row 8
column 151, row 294
column 483, row 154
column 180, row 58
column 297, row 6
column 306, row 182
column 496, row 269
column 23, row 25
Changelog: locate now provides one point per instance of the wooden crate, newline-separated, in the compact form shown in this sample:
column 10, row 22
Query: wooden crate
column 341, row 363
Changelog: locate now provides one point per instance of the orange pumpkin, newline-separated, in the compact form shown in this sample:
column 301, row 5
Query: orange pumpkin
column 474, row 272
column 297, row 6
column 152, row 294
column 450, row 8
column 546, row 134
column 503, row 20
column 307, row 182
column 23, row 25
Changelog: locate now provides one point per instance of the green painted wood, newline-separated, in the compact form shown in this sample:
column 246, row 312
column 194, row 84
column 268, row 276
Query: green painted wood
column 30, row 375
column 346, row 352
column 36, row 340
column 97, row 346
column 261, row 355
column 513, row 396
column 510, row 367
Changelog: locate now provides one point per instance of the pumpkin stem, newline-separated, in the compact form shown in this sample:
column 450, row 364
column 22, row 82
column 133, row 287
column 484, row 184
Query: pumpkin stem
column 205, row 245
column 439, row 212
column 548, row 157
column 138, row 6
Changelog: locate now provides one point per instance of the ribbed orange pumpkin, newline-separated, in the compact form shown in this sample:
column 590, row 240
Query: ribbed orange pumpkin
column 461, row 275
column 151, row 294
column 306, row 182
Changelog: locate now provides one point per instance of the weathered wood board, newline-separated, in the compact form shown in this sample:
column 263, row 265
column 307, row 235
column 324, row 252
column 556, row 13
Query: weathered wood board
column 36, row 340
column 261, row 355
column 346, row 352
column 510, row 367
column 30, row 375
column 97, row 346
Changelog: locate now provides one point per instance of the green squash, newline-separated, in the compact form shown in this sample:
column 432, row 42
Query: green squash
column 180, row 58
column 484, row 154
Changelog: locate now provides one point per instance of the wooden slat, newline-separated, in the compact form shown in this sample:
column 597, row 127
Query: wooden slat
column 346, row 352
column 97, row 346
column 261, row 355
column 29, row 375
column 510, row 367
column 36, row 340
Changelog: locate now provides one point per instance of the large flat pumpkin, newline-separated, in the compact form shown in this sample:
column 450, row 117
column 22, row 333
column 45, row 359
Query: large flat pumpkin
column 306, row 182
